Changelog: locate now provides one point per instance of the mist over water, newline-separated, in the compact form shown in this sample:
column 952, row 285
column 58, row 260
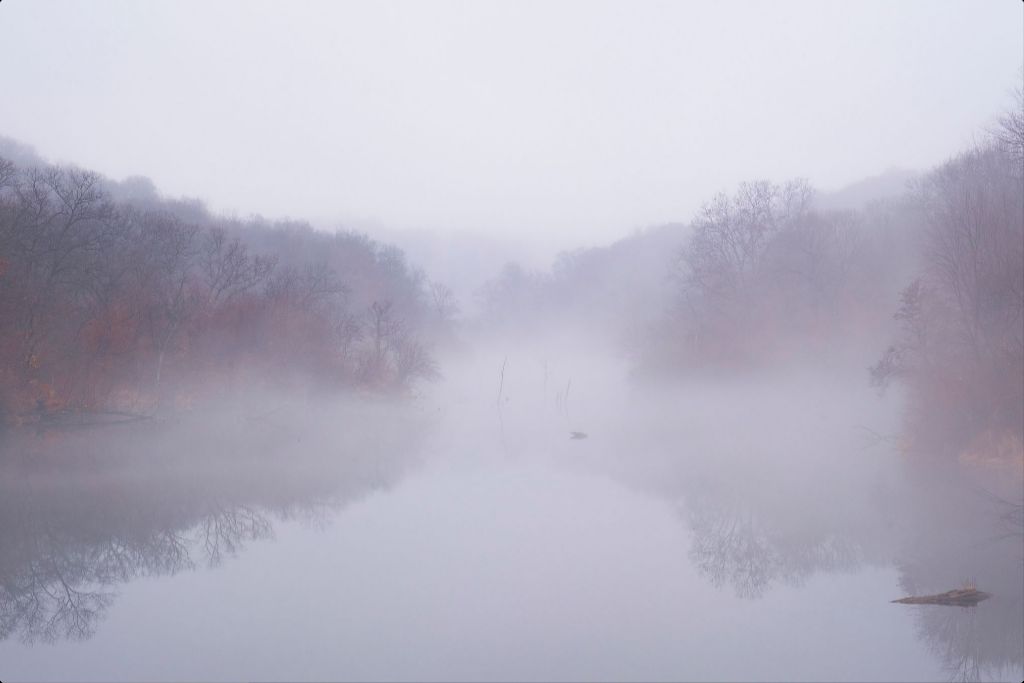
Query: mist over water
column 446, row 341
column 465, row 535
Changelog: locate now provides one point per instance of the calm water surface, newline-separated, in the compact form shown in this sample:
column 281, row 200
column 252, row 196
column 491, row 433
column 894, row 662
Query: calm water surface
column 675, row 542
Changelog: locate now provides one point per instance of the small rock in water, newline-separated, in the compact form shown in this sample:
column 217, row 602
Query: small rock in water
column 577, row 435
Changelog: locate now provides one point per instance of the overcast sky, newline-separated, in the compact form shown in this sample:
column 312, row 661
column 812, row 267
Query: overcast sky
column 559, row 123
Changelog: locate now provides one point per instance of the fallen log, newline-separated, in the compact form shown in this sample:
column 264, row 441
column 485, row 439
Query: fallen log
column 962, row 597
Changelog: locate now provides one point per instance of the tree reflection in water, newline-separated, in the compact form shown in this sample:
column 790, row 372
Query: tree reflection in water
column 735, row 547
column 954, row 535
column 73, row 528
column 967, row 536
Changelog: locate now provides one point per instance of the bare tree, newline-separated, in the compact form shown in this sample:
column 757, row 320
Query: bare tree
column 1010, row 130
column 442, row 298
column 168, row 257
column 961, row 348
column 228, row 268
column 732, row 236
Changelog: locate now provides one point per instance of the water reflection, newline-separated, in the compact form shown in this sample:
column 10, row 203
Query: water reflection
column 946, row 538
column 974, row 643
column 735, row 547
column 964, row 535
column 73, row 526
column 765, row 511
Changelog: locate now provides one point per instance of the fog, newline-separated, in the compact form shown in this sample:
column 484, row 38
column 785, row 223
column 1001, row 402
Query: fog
column 565, row 124
column 449, row 539
column 512, row 342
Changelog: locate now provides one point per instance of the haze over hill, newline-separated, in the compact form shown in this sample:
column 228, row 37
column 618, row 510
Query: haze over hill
column 512, row 341
column 564, row 127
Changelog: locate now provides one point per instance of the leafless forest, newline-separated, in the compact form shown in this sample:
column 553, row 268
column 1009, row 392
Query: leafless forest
column 716, row 448
column 117, row 302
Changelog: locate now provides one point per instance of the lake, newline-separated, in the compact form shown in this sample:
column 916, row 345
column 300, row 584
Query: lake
column 725, row 529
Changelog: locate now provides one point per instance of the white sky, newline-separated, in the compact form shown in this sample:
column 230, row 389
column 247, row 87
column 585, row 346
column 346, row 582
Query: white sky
column 557, row 123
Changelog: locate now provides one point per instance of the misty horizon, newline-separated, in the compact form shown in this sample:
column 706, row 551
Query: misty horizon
column 568, row 128
column 512, row 341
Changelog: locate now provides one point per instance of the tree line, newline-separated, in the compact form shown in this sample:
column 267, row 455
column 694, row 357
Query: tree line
column 764, row 269
column 115, row 300
column 927, row 282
